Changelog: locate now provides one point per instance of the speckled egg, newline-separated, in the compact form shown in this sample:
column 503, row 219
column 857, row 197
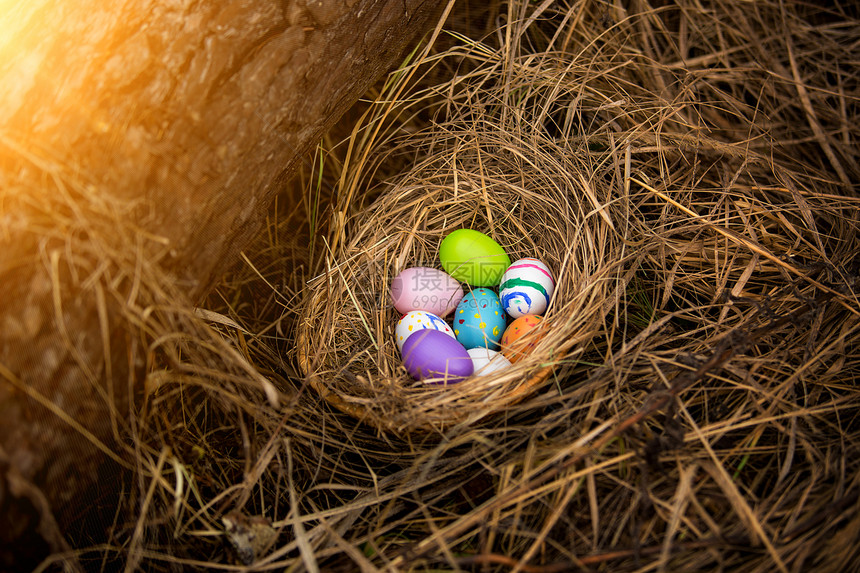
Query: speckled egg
column 479, row 321
column 486, row 361
column 417, row 320
column 433, row 357
column 515, row 344
column 425, row 288
column 526, row 288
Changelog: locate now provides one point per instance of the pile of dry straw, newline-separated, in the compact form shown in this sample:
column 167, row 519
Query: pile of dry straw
column 690, row 172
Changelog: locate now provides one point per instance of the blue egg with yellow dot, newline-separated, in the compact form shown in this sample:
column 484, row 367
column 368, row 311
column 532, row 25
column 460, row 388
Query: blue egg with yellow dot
column 479, row 320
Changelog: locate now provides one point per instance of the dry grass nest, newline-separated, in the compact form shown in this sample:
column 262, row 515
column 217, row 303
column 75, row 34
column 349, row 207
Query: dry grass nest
column 529, row 196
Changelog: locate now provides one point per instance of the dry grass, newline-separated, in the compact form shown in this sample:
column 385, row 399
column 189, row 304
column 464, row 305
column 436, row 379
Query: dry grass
column 690, row 171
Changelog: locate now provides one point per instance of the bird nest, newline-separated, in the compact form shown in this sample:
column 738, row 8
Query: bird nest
column 533, row 208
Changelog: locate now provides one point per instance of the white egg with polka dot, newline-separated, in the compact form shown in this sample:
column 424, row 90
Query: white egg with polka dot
column 416, row 320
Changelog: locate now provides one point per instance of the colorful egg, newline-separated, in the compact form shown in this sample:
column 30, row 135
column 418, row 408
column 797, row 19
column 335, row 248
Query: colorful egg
column 417, row 320
column 479, row 321
column 515, row 344
column 473, row 257
column 526, row 288
column 486, row 361
column 434, row 357
column 425, row 288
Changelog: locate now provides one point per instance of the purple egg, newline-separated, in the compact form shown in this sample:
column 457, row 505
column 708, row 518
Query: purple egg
column 434, row 354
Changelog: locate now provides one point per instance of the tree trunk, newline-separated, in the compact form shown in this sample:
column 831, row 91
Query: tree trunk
column 178, row 118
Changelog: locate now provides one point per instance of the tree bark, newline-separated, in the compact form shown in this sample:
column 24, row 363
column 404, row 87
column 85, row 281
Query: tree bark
column 179, row 118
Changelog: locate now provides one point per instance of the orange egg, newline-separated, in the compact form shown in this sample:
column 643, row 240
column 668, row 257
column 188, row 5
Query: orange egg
column 515, row 349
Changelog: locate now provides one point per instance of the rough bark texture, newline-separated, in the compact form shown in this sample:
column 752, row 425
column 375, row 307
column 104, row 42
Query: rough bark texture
column 183, row 116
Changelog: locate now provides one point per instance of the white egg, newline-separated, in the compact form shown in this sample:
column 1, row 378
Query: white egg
column 488, row 361
column 416, row 320
column 526, row 288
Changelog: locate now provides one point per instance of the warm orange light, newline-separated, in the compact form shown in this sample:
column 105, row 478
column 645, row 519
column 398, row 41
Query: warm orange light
column 15, row 18
column 20, row 57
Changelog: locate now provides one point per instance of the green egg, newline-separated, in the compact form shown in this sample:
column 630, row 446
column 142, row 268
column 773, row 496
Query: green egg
column 473, row 258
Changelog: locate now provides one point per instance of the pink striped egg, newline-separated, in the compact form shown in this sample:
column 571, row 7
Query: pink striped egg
column 526, row 288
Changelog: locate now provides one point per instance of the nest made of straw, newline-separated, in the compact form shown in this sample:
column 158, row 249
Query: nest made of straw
column 533, row 207
column 527, row 155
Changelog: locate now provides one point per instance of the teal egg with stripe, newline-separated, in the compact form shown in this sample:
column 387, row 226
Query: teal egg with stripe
column 526, row 288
